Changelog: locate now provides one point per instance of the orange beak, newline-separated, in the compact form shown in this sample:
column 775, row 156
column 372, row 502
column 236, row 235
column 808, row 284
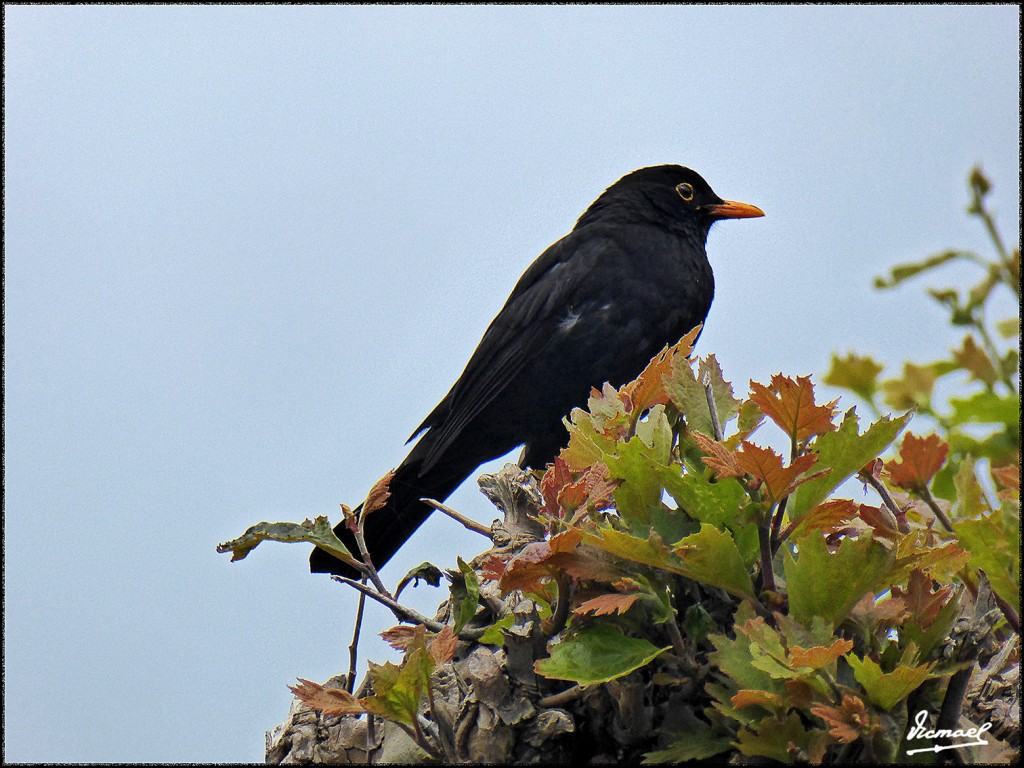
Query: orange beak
column 730, row 209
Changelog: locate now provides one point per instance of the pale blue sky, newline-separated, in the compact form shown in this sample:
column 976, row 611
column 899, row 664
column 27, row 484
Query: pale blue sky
column 248, row 249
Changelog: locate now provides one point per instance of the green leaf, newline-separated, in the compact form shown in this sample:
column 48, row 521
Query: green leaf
column 828, row 584
column 465, row 591
column 776, row 736
column 316, row 532
column 994, row 544
column 700, row 742
column 855, row 373
column 495, row 634
column 397, row 690
column 712, row 557
column 904, row 272
column 720, row 503
column 597, row 654
column 845, row 451
column 887, row 689
column 640, row 490
column 686, row 389
column 914, row 388
column 1009, row 327
column 986, row 407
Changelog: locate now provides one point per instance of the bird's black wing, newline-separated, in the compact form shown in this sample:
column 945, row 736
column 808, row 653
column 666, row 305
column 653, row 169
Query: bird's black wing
column 540, row 300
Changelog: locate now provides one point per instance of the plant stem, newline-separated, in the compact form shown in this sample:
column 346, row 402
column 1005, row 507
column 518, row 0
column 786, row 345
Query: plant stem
column 400, row 611
column 561, row 614
column 926, row 495
column 469, row 523
column 767, row 571
column 775, row 540
column 353, row 649
column 887, row 501
column 710, row 395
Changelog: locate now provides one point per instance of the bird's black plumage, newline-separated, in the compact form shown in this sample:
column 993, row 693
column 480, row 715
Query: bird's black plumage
column 631, row 277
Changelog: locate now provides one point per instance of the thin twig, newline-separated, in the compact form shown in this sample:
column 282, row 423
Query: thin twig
column 353, row 649
column 442, row 728
column 710, row 395
column 677, row 638
column 1011, row 615
column 564, row 697
column 926, row 495
column 780, row 511
column 767, row 570
column 417, row 735
column 561, row 614
column 400, row 611
column 364, row 552
column 473, row 525
column 899, row 518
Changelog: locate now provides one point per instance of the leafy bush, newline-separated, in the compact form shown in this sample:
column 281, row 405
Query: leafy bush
column 689, row 592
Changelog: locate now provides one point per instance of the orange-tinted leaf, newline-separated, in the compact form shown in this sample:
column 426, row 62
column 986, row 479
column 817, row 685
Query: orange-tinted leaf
column 608, row 604
column 819, row 656
column 378, row 495
column 648, row 389
column 493, row 566
column 526, row 570
column 766, row 465
column 790, row 404
column 848, row 722
column 542, row 559
column 923, row 603
column 719, row 457
column 593, row 489
column 330, row 701
column 827, row 517
column 749, row 698
column 880, row 614
column 881, row 521
column 442, row 646
column 920, row 458
column 1008, row 480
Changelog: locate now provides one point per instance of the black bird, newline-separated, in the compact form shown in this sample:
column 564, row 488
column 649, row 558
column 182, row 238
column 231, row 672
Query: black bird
column 631, row 277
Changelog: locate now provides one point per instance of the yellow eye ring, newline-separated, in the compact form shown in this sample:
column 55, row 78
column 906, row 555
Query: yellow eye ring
column 685, row 191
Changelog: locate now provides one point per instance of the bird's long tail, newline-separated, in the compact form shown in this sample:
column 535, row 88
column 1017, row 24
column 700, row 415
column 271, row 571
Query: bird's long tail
column 388, row 528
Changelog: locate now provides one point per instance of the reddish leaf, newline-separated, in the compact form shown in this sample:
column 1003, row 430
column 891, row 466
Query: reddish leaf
column 442, row 646
column 526, row 570
column 920, row 458
column 555, row 479
column 827, row 517
column 402, row 637
column 790, row 404
column 881, row 521
column 1008, row 480
column 593, row 489
column 923, row 604
column 330, row 701
column 880, row 614
column 378, row 495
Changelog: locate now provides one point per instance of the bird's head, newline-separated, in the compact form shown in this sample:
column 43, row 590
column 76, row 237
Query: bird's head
column 668, row 194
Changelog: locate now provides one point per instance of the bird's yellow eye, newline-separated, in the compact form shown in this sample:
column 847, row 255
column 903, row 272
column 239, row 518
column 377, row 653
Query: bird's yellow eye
column 685, row 191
